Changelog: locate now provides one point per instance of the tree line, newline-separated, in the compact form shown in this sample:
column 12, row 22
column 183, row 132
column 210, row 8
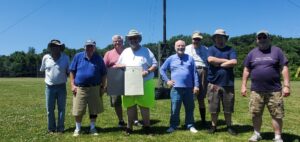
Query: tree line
column 27, row 64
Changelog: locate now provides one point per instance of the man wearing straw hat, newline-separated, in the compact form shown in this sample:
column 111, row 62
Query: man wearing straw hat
column 137, row 55
column 199, row 54
column 56, row 70
column 221, row 59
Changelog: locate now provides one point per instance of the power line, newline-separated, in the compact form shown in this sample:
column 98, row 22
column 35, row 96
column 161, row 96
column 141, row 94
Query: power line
column 24, row 17
column 293, row 3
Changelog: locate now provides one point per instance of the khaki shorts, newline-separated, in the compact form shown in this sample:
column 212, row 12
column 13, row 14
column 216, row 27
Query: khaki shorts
column 87, row 96
column 217, row 94
column 202, row 74
column 273, row 100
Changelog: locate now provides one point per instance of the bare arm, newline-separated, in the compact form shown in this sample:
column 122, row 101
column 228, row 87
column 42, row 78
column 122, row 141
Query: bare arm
column 216, row 61
column 73, row 86
column 286, row 81
column 246, row 73
column 229, row 63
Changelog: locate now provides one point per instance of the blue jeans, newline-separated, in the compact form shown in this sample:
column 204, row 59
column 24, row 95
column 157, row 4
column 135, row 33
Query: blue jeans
column 179, row 95
column 56, row 93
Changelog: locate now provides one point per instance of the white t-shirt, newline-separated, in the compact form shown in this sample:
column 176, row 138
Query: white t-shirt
column 142, row 57
column 190, row 50
column 56, row 72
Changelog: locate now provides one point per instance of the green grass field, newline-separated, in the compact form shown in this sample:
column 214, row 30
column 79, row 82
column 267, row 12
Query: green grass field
column 23, row 118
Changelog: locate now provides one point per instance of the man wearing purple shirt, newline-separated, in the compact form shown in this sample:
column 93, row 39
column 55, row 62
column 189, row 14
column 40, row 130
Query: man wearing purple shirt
column 111, row 57
column 264, row 65
column 184, row 83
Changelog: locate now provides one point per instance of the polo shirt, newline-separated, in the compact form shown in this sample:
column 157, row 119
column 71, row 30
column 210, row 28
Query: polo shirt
column 87, row 71
column 111, row 57
column 183, row 71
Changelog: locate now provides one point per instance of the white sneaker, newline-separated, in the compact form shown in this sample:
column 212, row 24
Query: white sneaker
column 278, row 140
column 170, row 130
column 255, row 138
column 76, row 133
column 94, row 132
column 193, row 130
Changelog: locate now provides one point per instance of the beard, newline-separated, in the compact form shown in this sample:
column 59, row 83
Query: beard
column 263, row 45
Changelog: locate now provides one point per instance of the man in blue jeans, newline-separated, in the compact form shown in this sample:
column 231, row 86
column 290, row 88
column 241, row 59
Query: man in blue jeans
column 184, row 83
column 56, row 66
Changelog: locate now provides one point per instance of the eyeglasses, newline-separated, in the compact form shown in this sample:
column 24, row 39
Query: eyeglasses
column 197, row 39
column 262, row 37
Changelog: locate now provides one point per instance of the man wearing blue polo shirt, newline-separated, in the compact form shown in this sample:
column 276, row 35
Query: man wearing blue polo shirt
column 184, row 83
column 88, row 75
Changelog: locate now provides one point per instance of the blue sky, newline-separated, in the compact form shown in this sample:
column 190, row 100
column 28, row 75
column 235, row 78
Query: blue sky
column 33, row 23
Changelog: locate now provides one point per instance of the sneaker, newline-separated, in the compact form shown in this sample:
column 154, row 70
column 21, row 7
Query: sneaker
column 255, row 138
column 212, row 129
column 137, row 123
column 278, row 140
column 170, row 130
column 121, row 124
column 94, row 132
column 128, row 131
column 76, row 133
column 193, row 130
column 231, row 131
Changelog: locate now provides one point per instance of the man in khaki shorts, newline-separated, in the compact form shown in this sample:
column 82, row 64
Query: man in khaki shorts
column 87, row 77
column 264, row 65
column 221, row 59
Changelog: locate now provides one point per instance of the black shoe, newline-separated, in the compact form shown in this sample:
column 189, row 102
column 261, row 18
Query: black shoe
column 128, row 131
column 231, row 131
column 137, row 123
column 121, row 124
column 212, row 129
column 146, row 130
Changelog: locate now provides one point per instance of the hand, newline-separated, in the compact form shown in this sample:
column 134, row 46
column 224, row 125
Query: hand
column 144, row 73
column 196, row 91
column 119, row 66
column 244, row 91
column 286, row 91
column 171, row 83
column 74, row 90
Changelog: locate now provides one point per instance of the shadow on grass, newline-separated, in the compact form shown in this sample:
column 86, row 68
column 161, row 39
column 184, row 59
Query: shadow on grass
column 285, row 136
column 238, row 128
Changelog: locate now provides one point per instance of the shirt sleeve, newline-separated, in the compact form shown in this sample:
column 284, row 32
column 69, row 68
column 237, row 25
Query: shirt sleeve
column 73, row 65
column 163, row 69
column 247, row 61
column 232, row 54
column 196, row 78
column 43, row 65
column 282, row 59
column 152, row 58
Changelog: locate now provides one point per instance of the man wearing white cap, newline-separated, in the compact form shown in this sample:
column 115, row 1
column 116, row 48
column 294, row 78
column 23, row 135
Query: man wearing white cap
column 264, row 64
column 88, row 78
column 221, row 59
column 199, row 54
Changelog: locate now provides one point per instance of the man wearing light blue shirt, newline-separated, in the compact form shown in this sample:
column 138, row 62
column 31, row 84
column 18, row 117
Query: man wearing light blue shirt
column 184, row 83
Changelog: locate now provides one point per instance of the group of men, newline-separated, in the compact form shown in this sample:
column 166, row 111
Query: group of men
column 195, row 71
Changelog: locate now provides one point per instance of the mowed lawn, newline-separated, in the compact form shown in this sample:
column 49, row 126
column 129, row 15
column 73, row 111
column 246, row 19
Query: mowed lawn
column 23, row 118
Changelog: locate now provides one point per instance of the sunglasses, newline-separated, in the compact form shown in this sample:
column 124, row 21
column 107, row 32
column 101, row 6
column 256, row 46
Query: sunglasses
column 262, row 37
column 133, row 38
